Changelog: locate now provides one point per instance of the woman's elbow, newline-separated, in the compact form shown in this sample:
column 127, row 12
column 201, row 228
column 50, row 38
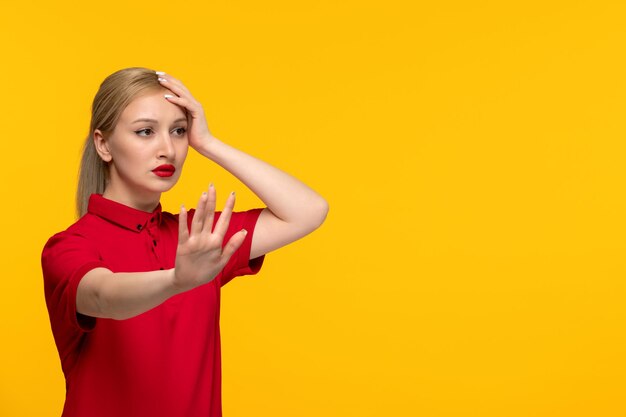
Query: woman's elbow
column 320, row 214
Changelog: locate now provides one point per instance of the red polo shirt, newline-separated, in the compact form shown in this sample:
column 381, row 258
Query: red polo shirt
column 164, row 362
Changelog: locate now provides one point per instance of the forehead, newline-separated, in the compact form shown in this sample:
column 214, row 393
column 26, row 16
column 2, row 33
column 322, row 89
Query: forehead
column 152, row 105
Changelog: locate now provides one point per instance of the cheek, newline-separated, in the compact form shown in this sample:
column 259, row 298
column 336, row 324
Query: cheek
column 124, row 147
column 182, row 150
column 131, row 158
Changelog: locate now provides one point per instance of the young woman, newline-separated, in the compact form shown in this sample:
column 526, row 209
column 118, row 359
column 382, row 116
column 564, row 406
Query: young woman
column 133, row 292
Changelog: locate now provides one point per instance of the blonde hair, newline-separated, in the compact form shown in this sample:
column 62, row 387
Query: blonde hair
column 114, row 94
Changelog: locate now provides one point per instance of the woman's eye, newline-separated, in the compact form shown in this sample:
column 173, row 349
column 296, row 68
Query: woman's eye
column 142, row 131
column 180, row 131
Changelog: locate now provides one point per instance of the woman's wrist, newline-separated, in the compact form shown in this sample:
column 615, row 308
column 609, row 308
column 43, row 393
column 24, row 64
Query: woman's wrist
column 208, row 147
column 174, row 286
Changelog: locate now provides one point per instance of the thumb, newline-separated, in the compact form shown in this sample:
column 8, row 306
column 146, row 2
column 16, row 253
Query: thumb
column 233, row 244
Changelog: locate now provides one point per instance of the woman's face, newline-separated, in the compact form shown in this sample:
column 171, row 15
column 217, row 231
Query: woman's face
column 146, row 150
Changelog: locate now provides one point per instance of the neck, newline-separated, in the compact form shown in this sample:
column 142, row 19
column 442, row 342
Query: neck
column 145, row 203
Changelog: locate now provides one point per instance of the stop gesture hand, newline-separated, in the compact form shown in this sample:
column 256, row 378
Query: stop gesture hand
column 199, row 256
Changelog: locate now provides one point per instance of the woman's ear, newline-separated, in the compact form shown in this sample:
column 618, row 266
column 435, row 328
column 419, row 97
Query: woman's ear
column 102, row 146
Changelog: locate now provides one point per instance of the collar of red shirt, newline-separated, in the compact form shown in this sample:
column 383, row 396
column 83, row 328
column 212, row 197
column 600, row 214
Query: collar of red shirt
column 122, row 215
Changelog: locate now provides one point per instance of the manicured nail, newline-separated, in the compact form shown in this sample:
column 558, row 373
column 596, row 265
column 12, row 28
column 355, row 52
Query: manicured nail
column 160, row 73
column 168, row 96
column 163, row 80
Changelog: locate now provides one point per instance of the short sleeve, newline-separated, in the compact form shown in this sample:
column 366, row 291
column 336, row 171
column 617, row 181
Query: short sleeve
column 65, row 259
column 240, row 263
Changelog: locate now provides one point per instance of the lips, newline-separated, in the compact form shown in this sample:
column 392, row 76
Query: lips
column 164, row 170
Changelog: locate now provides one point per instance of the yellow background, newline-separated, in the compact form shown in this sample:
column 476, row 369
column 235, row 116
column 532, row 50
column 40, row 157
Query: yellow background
column 472, row 153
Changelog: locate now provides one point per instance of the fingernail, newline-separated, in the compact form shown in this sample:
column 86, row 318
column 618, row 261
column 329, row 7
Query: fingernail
column 204, row 193
column 211, row 185
column 168, row 96
column 182, row 206
column 233, row 193
column 160, row 73
column 245, row 232
column 163, row 80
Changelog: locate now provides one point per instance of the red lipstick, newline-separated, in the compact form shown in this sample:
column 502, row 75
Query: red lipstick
column 166, row 170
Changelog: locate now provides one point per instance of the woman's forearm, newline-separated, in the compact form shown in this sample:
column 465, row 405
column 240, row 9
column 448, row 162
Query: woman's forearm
column 287, row 197
column 102, row 293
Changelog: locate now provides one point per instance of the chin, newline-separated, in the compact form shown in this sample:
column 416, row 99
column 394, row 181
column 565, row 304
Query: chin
column 166, row 185
column 164, row 188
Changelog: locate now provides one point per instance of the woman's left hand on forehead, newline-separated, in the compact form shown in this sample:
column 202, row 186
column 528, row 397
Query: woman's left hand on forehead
column 198, row 129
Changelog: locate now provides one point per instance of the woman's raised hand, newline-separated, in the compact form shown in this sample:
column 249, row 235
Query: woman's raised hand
column 198, row 131
column 199, row 256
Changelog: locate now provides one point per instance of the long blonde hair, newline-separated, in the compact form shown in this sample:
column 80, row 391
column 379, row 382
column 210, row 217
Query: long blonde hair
column 114, row 94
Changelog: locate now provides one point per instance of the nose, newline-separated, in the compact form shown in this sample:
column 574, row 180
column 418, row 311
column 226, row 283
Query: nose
column 166, row 147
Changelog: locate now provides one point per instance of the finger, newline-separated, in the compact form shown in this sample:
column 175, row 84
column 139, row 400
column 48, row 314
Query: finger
column 182, row 96
column 192, row 106
column 233, row 244
column 183, row 231
column 176, row 87
column 174, row 99
column 210, row 210
column 198, row 218
column 222, row 222
column 172, row 83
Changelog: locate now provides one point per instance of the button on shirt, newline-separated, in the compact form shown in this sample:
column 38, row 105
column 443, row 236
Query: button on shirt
column 164, row 362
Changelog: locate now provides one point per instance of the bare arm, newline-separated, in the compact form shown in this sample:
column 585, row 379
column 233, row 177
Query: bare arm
column 199, row 258
column 102, row 293
column 293, row 209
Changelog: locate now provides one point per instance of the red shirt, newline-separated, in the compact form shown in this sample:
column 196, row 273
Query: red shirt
column 164, row 362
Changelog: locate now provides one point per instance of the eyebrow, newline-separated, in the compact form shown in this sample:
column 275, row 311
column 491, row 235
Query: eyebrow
column 182, row 119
